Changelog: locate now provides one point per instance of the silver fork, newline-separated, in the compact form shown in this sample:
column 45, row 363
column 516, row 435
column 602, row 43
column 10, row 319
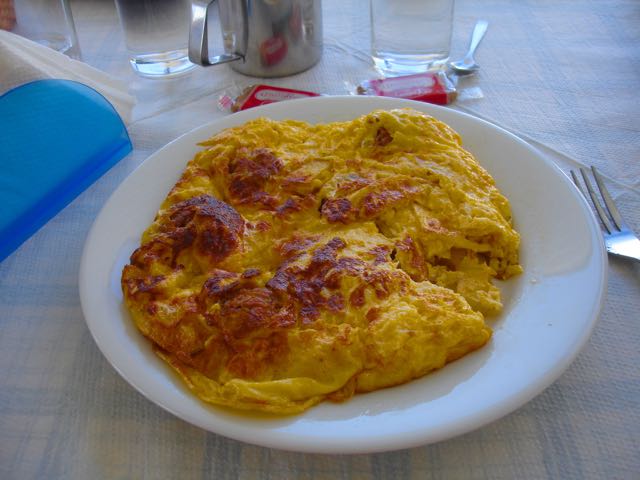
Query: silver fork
column 618, row 237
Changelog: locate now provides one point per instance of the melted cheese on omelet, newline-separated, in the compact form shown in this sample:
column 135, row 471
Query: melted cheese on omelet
column 293, row 263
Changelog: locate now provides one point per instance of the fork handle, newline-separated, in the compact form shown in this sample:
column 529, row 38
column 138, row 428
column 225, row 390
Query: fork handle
column 629, row 252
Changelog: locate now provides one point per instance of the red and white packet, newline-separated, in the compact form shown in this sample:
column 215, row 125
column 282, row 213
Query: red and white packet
column 431, row 87
column 257, row 95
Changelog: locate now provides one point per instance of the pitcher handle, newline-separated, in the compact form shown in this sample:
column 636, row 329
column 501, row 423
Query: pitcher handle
column 198, row 37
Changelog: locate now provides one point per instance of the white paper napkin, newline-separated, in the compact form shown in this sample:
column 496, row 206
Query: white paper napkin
column 23, row 61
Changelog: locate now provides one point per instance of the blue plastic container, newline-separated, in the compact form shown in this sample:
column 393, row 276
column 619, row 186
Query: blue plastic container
column 56, row 138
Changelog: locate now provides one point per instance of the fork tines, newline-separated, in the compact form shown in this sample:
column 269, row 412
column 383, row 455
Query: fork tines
column 618, row 223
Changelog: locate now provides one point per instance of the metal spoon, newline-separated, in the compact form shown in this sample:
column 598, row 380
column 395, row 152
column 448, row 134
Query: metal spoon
column 468, row 65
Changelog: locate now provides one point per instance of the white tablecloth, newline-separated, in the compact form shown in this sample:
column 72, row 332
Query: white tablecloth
column 564, row 75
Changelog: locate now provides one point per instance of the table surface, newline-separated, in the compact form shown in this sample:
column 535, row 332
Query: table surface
column 563, row 75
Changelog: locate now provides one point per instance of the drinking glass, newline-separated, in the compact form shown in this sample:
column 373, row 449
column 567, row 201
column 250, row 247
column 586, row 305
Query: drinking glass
column 48, row 22
column 410, row 36
column 157, row 35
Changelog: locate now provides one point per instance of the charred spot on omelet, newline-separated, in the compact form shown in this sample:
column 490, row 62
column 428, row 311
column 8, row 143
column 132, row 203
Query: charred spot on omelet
column 293, row 263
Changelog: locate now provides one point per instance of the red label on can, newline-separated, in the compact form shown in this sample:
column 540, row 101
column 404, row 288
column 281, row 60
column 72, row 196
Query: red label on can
column 273, row 50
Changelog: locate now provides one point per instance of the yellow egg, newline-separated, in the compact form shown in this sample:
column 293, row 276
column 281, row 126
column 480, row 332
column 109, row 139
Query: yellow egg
column 295, row 263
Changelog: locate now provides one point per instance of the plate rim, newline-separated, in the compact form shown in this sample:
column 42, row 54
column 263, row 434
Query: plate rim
column 283, row 440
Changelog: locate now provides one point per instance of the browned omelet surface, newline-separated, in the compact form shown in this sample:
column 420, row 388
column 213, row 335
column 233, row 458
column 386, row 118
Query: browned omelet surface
column 293, row 263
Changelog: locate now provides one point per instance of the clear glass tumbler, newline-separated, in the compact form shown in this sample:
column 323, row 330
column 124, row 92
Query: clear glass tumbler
column 157, row 35
column 410, row 36
column 48, row 22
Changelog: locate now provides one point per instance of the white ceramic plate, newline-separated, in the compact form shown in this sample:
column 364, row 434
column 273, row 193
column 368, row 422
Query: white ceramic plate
column 549, row 311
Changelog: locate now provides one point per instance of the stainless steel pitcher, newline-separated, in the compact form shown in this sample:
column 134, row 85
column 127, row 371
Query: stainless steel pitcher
column 261, row 38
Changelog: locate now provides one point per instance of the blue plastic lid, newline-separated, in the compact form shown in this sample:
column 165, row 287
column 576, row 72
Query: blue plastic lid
column 56, row 138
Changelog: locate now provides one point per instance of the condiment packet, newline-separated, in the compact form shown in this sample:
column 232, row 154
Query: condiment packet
column 256, row 95
column 432, row 87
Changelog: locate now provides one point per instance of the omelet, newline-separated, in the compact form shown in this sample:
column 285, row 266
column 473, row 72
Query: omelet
column 296, row 263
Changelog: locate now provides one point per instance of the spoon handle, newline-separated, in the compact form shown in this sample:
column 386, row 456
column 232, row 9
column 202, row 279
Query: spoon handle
column 478, row 33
